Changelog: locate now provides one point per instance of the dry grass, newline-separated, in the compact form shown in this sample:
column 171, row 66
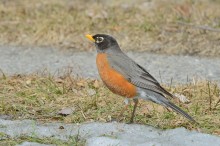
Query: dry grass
column 41, row 98
column 155, row 26
column 15, row 141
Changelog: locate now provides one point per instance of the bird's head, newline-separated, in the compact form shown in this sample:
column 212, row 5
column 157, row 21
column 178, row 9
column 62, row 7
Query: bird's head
column 103, row 42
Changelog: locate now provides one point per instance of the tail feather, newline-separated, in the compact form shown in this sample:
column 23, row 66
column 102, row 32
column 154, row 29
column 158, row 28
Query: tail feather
column 178, row 110
column 162, row 100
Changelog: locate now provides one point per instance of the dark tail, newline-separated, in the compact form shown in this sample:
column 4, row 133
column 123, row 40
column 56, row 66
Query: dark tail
column 159, row 98
column 178, row 110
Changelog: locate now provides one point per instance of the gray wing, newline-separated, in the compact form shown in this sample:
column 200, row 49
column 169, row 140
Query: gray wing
column 135, row 74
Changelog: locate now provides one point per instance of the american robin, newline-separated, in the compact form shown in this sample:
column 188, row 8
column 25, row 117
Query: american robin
column 125, row 77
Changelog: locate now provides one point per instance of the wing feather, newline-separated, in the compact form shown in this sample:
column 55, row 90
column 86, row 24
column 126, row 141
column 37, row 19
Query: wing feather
column 136, row 74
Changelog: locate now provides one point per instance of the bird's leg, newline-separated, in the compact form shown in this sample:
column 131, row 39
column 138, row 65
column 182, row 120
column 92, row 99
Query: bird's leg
column 134, row 109
column 127, row 102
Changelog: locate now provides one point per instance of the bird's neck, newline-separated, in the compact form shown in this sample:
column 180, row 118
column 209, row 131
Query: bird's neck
column 110, row 50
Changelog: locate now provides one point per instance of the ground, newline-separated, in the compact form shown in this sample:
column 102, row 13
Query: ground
column 49, row 94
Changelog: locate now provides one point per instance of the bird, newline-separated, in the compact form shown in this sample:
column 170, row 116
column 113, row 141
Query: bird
column 124, row 77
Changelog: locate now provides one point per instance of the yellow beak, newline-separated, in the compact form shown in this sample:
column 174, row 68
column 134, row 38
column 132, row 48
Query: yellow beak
column 90, row 37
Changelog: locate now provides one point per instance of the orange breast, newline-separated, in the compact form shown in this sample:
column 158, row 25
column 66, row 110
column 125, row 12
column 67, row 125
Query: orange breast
column 112, row 79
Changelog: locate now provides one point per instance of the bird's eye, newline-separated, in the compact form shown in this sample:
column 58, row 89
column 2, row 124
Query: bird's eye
column 99, row 39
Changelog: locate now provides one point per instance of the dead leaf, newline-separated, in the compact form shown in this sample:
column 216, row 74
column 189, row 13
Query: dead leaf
column 96, row 84
column 66, row 111
column 182, row 98
column 59, row 80
column 91, row 92
column 81, row 83
column 184, row 10
column 28, row 82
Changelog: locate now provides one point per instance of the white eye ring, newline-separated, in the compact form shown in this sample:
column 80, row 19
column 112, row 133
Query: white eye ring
column 99, row 39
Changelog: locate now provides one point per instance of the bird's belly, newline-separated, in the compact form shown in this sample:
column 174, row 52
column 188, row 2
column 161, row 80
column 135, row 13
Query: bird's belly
column 114, row 80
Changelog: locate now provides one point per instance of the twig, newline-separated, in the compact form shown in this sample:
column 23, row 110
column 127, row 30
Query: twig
column 82, row 112
column 83, row 115
column 217, row 103
column 160, row 77
column 203, row 27
column 3, row 75
column 171, row 81
column 210, row 98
